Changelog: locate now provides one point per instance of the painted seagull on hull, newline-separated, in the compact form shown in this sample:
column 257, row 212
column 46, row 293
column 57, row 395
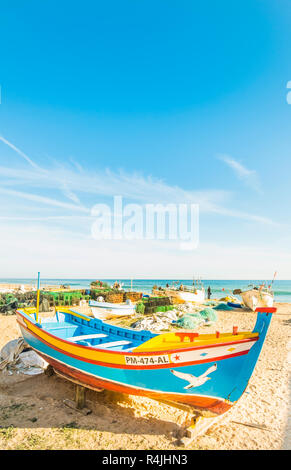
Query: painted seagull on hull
column 195, row 381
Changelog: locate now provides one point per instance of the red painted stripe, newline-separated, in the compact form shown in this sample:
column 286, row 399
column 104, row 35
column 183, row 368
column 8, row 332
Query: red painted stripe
column 266, row 309
column 141, row 367
column 200, row 402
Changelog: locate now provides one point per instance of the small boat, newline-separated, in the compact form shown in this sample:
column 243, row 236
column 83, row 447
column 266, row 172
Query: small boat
column 196, row 295
column 208, row 373
column 256, row 297
column 102, row 309
column 183, row 293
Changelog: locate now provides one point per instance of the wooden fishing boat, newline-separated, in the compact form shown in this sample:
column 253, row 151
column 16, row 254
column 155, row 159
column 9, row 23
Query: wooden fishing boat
column 101, row 309
column 207, row 372
column 258, row 297
column 186, row 294
column 195, row 295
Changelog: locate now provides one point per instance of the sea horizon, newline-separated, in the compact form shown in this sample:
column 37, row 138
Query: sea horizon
column 219, row 287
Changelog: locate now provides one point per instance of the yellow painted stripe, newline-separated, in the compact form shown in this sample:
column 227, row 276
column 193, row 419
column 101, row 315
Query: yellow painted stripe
column 171, row 341
column 29, row 310
column 76, row 350
column 76, row 314
column 32, row 310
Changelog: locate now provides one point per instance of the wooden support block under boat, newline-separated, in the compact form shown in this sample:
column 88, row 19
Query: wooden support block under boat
column 80, row 395
column 71, row 404
column 66, row 377
column 199, row 426
column 199, row 423
column 80, row 401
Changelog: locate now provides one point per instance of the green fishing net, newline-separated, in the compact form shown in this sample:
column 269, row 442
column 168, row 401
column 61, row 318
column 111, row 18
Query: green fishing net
column 190, row 321
column 140, row 308
column 208, row 314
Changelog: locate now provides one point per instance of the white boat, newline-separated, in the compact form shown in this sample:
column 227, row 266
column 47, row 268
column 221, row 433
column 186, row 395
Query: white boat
column 198, row 295
column 184, row 293
column 101, row 309
column 254, row 298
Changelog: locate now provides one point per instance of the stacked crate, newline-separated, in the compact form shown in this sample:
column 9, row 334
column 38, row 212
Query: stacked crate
column 157, row 304
column 133, row 296
column 71, row 298
column 114, row 297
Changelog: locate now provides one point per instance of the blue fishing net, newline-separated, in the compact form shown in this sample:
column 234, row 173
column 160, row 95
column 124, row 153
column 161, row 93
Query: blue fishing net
column 223, row 306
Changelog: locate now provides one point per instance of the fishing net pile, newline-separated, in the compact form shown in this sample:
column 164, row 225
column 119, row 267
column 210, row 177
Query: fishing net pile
column 193, row 320
column 17, row 357
column 186, row 316
column 190, row 321
column 156, row 322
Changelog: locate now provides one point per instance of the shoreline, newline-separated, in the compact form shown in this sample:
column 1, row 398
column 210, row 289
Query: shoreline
column 219, row 288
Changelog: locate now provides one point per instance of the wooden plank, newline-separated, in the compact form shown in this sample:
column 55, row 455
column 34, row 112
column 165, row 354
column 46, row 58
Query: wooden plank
column 81, row 337
column 114, row 343
column 75, row 381
column 199, row 426
column 80, row 401
column 253, row 425
column 80, row 397
column 71, row 404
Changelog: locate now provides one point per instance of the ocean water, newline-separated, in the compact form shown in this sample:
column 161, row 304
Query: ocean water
column 219, row 288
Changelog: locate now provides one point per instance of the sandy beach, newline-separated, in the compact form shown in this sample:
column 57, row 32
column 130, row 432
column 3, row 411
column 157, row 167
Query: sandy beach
column 33, row 416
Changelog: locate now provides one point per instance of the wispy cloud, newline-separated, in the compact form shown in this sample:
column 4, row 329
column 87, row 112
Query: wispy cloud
column 63, row 184
column 35, row 204
column 107, row 183
column 43, row 200
column 249, row 177
column 17, row 150
column 76, row 183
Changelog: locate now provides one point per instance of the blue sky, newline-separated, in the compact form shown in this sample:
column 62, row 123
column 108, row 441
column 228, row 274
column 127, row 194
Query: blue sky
column 160, row 101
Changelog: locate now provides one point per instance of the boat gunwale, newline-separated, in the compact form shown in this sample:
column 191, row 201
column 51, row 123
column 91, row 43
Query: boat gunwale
column 260, row 291
column 111, row 305
column 132, row 366
column 137, row 353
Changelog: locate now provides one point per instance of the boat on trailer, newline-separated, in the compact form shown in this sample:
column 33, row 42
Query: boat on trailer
column 207, row 373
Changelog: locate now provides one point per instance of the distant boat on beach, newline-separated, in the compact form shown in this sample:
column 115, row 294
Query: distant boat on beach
column 101, row 309
column 6, row 288
column 256, row 297
column 183, row 293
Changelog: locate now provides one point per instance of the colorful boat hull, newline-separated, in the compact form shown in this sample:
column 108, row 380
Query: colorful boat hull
column 209, row 378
